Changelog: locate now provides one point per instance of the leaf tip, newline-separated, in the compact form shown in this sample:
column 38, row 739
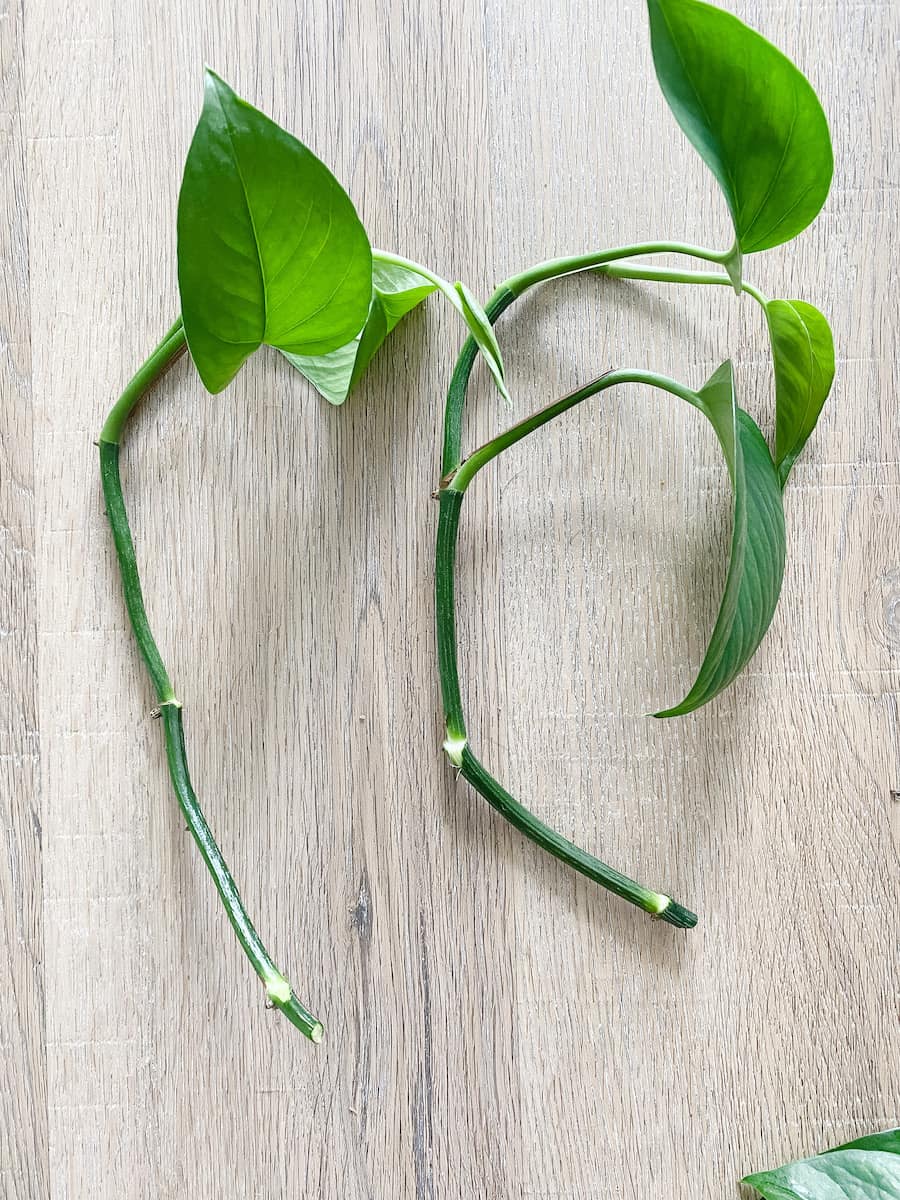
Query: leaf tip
column 212, row 79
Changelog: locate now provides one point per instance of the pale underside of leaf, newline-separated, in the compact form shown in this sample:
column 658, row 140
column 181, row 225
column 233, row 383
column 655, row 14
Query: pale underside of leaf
column 396, row 291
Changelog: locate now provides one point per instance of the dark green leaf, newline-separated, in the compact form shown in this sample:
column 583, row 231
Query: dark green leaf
column 756, row 565
column 270, row 248
column 396, row 290
column 867, row 1169
column 803, row 357
column 753, row 117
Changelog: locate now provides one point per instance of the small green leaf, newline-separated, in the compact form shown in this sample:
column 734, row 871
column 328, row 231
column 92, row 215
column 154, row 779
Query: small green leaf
column 752, row 116
column 270, row 249
column 396, row 291
column 756, row 565
column 866, row 1169
column 483, row 332
column 803, row 357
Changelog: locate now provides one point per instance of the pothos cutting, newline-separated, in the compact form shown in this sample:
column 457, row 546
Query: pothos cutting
column 271, row 252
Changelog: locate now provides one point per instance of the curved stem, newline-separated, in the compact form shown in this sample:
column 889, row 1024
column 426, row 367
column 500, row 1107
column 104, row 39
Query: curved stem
column 459, row 381
column 658, row 905
column 278, row 990
column 555, row 267
column 456, row 746
column 664, row 275
column 450, row 495
column 512, row 288
column 460, row 479
column 172, row 346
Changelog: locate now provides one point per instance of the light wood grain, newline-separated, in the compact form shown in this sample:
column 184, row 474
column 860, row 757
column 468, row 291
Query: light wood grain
column 495, row 1028
column 23, row 1091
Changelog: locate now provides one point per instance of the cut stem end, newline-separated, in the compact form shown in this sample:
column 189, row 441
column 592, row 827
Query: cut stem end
column 676, row 914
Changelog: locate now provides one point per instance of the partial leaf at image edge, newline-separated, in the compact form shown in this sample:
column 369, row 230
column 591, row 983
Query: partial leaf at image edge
column 750, row 113
column 756, row 564
column 803, row 359
column 396, row 291
column 865, row 1169
column 270, row 248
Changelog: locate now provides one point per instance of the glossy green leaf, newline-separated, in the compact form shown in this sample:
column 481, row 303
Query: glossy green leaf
column 752, row 116
column 756, row 565
column 803, row 357
column 270, row 249
column 866, row 1169
column 396, row 291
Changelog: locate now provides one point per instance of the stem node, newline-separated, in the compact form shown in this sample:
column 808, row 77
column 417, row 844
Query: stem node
column 453, row 747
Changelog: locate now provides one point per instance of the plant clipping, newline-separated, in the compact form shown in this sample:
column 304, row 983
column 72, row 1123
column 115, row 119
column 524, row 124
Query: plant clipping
column 271, row 252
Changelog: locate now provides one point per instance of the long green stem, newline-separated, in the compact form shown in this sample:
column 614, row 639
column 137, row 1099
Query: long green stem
column 469, row 468
column 555, row 267
column 665, row 275
column 278, row 991
column 511, row 289
column 456, row 745
column 455, row 479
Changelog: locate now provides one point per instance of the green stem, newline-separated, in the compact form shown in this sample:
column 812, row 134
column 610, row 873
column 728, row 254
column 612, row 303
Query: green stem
column 456, row 745
column 453, row 483
column 664, row 275
column 555, row 267
column 278, row 990
column 658, row 905
column 512, row 288
column 459, row 382
column 469, row 468
column 172, row 346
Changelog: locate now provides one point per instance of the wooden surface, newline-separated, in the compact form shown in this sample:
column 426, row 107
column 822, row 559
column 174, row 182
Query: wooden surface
column 495, row 1027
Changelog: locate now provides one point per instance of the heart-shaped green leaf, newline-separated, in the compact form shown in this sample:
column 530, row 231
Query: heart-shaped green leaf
column 756, row 565
column 753, row 117
column 803, row 357
column 867, row 1169
column 396, row 291
column 270, row 248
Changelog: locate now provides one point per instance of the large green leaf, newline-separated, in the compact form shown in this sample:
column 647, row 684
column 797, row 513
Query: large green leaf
column 396, row 290
column 803, row 357
column 756, row 566
column 270, row 248
column 867, row 1169
column 753, row 117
